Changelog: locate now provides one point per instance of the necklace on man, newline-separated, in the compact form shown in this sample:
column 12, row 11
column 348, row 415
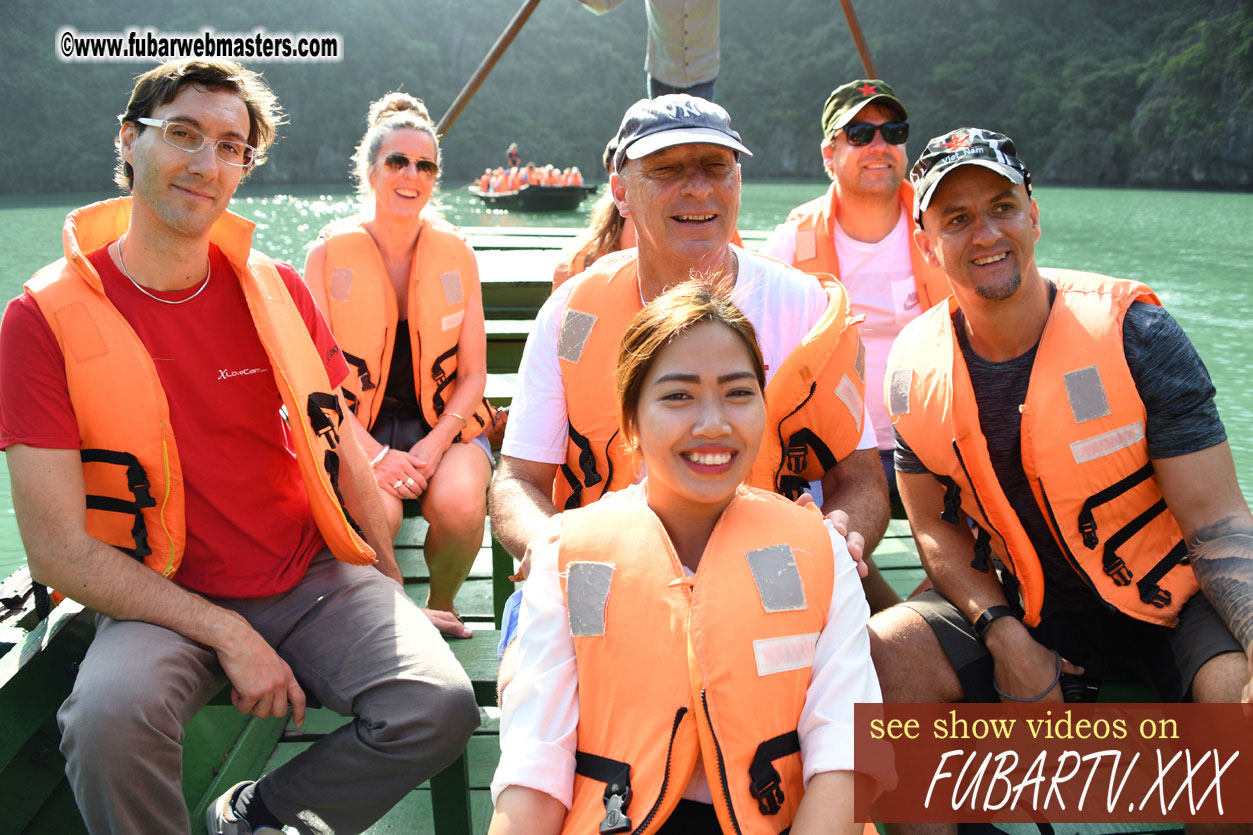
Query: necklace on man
column 141, row 288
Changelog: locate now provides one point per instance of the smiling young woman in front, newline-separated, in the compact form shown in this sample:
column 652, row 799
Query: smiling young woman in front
column 690, row 648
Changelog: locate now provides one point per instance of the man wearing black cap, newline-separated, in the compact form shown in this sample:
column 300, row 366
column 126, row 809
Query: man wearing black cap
column 1063, row 465
column 676, row 176
column 860, row 232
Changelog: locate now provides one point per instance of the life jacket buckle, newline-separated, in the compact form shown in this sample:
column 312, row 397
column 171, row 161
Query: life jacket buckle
column 769, row 794
column 615, row 810
column 1155, row 595
column 797, row 455
column 1087, row 527
column 1118, row 572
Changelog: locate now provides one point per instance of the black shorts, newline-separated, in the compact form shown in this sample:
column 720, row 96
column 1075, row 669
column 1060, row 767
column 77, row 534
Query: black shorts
column 402, row 432
column 1104, row 642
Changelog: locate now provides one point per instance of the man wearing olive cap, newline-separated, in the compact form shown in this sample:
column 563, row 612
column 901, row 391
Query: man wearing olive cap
column 1063, row 465
column 860, row 232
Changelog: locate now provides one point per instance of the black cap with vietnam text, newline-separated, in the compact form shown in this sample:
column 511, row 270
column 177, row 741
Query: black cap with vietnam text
column 964, row 146
column 847, row 100
column 650, row 125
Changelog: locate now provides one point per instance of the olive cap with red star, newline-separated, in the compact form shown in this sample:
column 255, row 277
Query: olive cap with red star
column 964, row 146
column 847, row 100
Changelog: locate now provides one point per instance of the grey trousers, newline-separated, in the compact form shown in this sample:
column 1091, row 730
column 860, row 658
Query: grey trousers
column 354, row 641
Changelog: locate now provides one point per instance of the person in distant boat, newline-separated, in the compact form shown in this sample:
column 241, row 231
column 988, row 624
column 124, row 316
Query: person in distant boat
column 604, row 728
column 860, row 231
column 400, row 290
column 179, row 464
column 676, row 175
column 1066, row 474
column 683, row 45
column 485, row 180
column 608, row 231
column 512, row 157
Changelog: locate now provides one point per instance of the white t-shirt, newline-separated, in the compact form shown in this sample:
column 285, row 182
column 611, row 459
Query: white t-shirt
column 782, row 303
column 879, row 278
column 539, row 722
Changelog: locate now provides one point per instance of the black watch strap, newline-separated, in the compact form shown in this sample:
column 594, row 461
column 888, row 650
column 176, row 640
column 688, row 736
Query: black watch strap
column 990, row 614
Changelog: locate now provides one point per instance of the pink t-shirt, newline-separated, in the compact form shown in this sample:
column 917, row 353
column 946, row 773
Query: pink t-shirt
column 250, row 532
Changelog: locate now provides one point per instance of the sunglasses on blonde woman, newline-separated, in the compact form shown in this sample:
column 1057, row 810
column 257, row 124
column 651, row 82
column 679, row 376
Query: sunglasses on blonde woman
column 399, row 162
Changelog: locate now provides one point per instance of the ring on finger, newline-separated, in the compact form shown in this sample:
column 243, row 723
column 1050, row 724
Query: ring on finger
column 398, row 484
column 409, row 482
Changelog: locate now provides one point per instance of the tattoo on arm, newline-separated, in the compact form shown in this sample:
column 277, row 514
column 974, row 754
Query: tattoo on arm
column 1222, row 557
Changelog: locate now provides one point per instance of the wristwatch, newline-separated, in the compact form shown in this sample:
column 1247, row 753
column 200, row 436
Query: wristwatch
column 990, row 614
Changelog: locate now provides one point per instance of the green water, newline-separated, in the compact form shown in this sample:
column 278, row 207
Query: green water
column 1195, row 249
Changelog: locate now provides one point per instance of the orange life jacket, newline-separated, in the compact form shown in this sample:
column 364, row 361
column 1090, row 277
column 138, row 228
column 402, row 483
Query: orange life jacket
column 484, row 181
column 717, row 667
column 815, row 245
column 363, row 316
column 131, row 466
column 814, row 401
column 1083, row 450
column 577, row 262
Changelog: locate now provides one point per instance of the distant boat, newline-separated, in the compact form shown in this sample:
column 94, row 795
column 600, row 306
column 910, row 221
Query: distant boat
column 536, row 198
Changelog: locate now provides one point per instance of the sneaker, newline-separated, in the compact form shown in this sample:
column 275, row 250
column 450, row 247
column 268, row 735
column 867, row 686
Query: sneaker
column 220, row 818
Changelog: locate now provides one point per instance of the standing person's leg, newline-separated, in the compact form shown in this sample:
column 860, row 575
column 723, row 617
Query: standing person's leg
column 360, row 646
column 122, row 726
column 703, row 90
column 455, row 508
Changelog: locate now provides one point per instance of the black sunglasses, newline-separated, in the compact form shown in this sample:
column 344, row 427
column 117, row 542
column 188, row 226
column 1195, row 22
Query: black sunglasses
column 399, row 162
column 862, row 133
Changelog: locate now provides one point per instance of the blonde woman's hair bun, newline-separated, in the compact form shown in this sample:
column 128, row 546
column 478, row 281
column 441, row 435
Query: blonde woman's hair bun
column 393, row 103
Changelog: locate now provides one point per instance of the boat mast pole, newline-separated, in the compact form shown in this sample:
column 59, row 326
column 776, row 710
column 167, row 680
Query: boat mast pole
column 855, row 29
column 484, row 68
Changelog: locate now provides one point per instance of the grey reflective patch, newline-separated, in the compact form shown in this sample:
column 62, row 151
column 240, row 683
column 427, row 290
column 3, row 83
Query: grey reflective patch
column 1086, row 394
column 587, row 594
column 452, row 287
column 806, row 245
column 898, row 391
column 860, row 363
column 778, row 580
column 341, row 283
column 576, row 327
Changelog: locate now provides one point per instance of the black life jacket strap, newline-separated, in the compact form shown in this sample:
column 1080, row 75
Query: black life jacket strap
column 983, row 550
column 1150, row 591
column 576, row 487
column 318, row 405
column 617, row 779
column 765, row 782
column 137, row 483
column 1114, row 565
column 1087, row 524
column 587, row 459
column 442, row 379
column 952, row 500
column 363, row 370
column 794, row 452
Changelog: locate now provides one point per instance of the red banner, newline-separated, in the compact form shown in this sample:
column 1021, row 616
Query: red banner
column 1059, row 763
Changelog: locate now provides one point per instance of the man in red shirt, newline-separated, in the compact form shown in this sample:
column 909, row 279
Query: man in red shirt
column 167, row 407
